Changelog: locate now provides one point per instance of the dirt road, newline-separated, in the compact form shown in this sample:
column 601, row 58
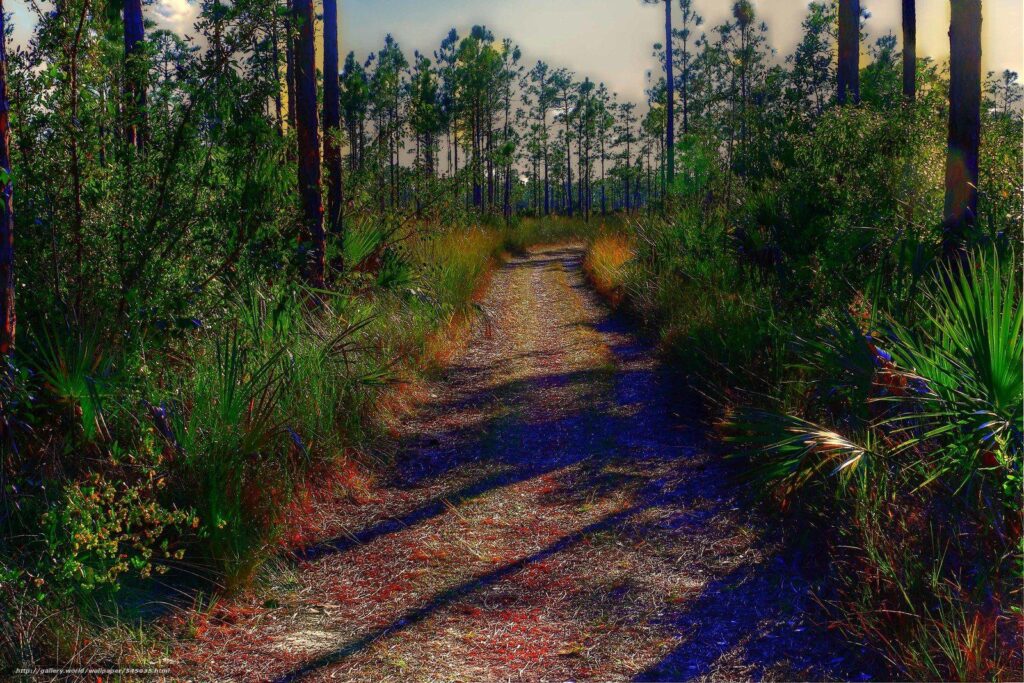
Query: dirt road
column 555, row 514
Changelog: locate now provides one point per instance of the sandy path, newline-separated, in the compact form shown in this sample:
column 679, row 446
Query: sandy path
column 554, row 515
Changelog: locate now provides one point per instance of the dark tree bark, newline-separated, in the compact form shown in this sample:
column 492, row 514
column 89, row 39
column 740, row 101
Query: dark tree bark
column 568, row 150
column 670, row 129
column 78, row 233
column 910, row 50
column 961, row 207
column 579, row 157
column 544, row 129
column 289, row 61
column 135, row 87
column 332, row 119
column 311, row 236
column 604, row 192
column 276, row 56
column 849, row 51
column 490, row 159
column 8, row 319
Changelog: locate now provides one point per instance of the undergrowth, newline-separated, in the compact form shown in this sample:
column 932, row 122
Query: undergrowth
column 196, row 450
column 868, row 390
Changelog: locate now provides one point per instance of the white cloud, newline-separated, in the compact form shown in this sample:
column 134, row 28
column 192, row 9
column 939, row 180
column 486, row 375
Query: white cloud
column 175, row 15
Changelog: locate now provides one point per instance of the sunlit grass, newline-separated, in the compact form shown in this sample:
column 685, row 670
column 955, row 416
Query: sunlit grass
column 605, row 264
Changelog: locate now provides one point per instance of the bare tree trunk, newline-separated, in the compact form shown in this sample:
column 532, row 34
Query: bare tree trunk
column 909, row 50
column 332, row 120
column 8, row 320
column 849, row 51
column 686, row 79
column 76, row 164
column 311, row 237
column 579, row 162
column 135, row 87
column 626, row 174
column 670, row 133
column 289, row 62
column 276, row 40
column 547, row 180
column 961, row 207
column 604, row 198
column 568, row 160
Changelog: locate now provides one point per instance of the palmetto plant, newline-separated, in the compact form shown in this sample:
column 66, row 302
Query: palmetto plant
column 74, row 370
column 946, row 394
column 361, row 242
column 967, row 352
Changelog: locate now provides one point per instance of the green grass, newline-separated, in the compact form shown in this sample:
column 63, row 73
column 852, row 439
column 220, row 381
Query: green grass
column 204, row 441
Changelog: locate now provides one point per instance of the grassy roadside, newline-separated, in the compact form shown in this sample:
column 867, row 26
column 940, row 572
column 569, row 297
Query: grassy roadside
column 208, row 445
column 862, row 424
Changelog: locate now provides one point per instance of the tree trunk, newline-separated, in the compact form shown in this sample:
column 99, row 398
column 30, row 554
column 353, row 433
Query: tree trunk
column 547, row 178
column 278, row 108
column 393, row 159
column 478, row 199
column 568, row 160
column 489, row 148
column 289, row 62
column 579, row 164
column 362, row 140
column 670, row 133
column 332, row 119
column 76, row 163
column 961, row 207
column 604, row 203
column 849, row 51
column 7, row 317
column 311, row 237
column 135, row 88
column 909, row 50
column 686, row 81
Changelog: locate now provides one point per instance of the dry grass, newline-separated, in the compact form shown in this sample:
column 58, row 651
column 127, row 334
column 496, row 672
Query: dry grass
column 605, row 265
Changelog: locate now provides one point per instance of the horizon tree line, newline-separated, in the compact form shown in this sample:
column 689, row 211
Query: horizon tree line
column 471, row 122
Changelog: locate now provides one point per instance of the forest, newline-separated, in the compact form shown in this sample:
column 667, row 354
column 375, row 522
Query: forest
column 460, row 365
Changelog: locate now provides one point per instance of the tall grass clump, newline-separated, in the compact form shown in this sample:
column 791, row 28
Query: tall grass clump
column 712, row 314
column 606, row 262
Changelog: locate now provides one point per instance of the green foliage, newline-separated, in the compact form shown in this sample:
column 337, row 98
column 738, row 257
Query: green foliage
column 74, row 371
column 176, row 390
column 968, row 349
column 97, row 531
column 862, row 384
column 228, row 430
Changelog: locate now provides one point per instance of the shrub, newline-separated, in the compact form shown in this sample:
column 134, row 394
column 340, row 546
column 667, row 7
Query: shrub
column 925, row 456
column 97, row 530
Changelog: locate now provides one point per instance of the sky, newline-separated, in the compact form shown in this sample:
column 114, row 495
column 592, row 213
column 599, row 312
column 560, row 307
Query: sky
column 610, row 40
column 607, row 40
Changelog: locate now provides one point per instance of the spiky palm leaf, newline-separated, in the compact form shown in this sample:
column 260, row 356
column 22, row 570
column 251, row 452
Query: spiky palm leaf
column 966, row 359
column 787, row 447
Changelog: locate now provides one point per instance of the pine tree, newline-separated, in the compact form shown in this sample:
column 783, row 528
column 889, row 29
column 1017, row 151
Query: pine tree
column 135, row 68
column 8, row 320
column 670, row 131
column 961, row 206
column 849, row 52
column 312, row 240
column 909, row 50
column 332, row 120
